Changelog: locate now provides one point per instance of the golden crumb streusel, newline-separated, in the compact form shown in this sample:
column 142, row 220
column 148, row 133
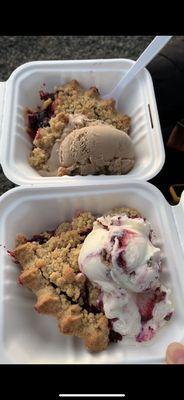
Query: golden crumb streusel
column 49, row 263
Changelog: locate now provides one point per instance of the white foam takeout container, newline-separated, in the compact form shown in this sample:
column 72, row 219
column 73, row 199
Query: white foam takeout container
column 25, row 336
column 137, row 100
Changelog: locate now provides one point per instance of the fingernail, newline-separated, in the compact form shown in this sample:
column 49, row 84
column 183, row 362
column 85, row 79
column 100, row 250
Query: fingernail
column 180, row 360
column 178, row 356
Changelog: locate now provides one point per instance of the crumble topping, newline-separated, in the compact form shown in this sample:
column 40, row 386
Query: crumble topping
column 69, row 107
column 49, row 267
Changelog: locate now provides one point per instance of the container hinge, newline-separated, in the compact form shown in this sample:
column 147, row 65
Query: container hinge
column 2, row 93
column 178, row 213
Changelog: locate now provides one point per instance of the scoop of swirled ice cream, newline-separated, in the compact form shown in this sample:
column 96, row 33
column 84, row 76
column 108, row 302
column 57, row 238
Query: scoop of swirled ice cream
column 119, row 257
column 123, row 246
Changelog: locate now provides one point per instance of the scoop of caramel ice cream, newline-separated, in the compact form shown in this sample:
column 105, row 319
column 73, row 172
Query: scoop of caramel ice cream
column 97, row 149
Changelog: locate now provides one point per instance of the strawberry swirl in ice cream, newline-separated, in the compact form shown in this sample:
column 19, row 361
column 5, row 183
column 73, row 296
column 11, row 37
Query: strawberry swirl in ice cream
column 120, row 257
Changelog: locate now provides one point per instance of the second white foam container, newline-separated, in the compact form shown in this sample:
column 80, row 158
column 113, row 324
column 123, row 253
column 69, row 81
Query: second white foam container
column 25, row 336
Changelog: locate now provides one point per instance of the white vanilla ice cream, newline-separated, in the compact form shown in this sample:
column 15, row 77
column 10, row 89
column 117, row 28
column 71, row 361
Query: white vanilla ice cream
column 119, row 257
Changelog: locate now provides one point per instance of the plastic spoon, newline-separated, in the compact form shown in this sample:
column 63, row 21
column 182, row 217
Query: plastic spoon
column 148, row 54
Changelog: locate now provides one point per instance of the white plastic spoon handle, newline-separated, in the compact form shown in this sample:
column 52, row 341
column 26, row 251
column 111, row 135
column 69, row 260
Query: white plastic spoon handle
column 148, row 54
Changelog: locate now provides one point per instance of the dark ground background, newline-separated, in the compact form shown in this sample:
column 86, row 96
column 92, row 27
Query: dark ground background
column 16, row 50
